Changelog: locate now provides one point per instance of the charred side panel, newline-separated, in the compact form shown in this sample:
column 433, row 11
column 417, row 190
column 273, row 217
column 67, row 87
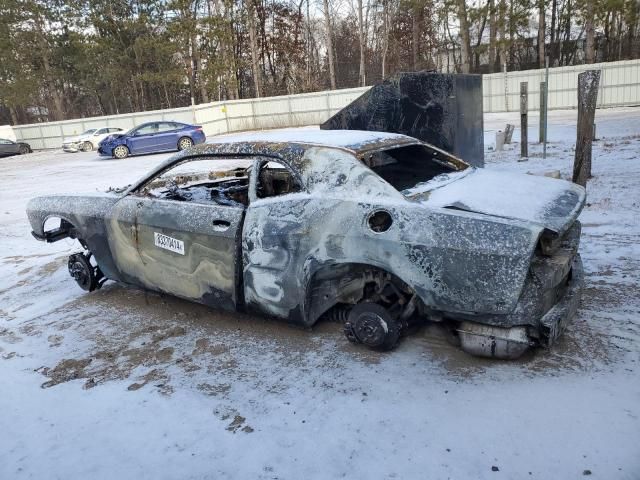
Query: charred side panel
column 454, row 261
column 87, row 213
column 444, row 110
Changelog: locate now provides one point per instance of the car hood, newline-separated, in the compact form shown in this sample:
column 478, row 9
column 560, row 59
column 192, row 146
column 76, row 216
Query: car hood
column 550, row 203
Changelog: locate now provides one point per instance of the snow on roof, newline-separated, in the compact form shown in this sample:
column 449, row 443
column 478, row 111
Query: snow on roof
column 351, row 139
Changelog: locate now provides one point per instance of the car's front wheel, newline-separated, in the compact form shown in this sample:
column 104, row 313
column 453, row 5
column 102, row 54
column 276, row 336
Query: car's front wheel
column 86, row 147
column 184, row 143
column 24, row 150
column 121, row 151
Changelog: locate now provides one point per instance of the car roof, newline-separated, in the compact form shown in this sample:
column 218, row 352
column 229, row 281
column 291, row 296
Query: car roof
column 355, row 140
column 290, row 146
column 160, row 121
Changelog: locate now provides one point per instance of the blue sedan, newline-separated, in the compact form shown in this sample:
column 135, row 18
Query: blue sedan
column 151, row 137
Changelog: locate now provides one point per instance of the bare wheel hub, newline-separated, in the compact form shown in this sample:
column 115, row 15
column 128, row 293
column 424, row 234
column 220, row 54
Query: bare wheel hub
column 86, row 275
column 370, row 329
column 372, row 325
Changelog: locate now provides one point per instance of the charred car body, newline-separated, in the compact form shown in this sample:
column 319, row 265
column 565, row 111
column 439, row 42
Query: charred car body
column 378, row 230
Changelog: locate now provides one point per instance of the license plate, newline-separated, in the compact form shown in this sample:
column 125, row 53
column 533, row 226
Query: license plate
column 168, row 243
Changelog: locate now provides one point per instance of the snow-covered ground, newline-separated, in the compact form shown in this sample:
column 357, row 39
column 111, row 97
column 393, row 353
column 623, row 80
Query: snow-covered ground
column 121, row 383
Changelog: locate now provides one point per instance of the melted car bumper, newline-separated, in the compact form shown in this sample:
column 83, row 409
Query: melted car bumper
column 554, row 322
column 511, row 342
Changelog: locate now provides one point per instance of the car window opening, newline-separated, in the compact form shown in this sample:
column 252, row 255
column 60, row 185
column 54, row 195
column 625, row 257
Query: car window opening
column 405, row 167
column 275, row 179
column 202, row 182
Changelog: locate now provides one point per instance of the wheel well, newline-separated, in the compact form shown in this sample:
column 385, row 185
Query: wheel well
column 56, row 228
column 351, row 283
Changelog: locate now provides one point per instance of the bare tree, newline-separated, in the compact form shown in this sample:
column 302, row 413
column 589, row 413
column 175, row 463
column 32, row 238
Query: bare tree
column 492, row 35
column 385, row 36
column 49, row 80
column 255, row 55
column 541, row 32
column 416, row 27
column 502, row 13
column 465, row 47
column 553, row 40
column 329, row 33
column 589, row 46
column 361, row 41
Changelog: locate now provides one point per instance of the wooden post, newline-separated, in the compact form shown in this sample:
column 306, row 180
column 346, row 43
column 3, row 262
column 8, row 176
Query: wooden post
column 524, row 123
column 508, row 133
column 546, row 106
column 588, row 83
column 506, row 88
column 543, row 111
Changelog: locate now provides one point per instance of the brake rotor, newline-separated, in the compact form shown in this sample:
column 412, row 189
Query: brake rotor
column 370, row 328
column 372, row 325
column 82, row 271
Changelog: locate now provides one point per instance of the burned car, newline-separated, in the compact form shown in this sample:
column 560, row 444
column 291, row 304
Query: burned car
column 376, row 230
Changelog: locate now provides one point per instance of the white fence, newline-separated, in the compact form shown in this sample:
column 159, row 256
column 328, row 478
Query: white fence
column 619, row 85
column 215, row 117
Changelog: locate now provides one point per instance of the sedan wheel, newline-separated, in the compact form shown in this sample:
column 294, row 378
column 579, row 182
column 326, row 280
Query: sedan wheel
column 24, row 150
column 87, row 147
column 121, row 151
column 184, row 143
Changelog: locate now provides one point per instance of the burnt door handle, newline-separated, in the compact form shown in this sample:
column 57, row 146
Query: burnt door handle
column 221, row 223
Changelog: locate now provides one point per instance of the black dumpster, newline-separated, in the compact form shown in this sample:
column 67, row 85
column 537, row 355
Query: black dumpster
column 442, row 109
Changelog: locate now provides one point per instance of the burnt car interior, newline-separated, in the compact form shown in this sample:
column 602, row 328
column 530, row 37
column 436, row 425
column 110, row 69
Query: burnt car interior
column 274, row 179
column 202, row 182
column 407, row 166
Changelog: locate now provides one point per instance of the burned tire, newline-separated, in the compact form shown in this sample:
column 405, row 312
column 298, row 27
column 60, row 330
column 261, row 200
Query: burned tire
column 184, row 143
column 87, row 147
column 121, row 151
column 372, row 325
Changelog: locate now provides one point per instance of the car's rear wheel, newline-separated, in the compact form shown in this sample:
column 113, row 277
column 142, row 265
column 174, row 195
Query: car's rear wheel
column 184, row 143
column 24, row 150
column 372, row 325
column 86, row 147
column 121, row 151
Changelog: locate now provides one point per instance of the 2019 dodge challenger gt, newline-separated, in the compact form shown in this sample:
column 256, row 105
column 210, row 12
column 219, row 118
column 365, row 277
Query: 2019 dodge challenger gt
column 377, row 230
